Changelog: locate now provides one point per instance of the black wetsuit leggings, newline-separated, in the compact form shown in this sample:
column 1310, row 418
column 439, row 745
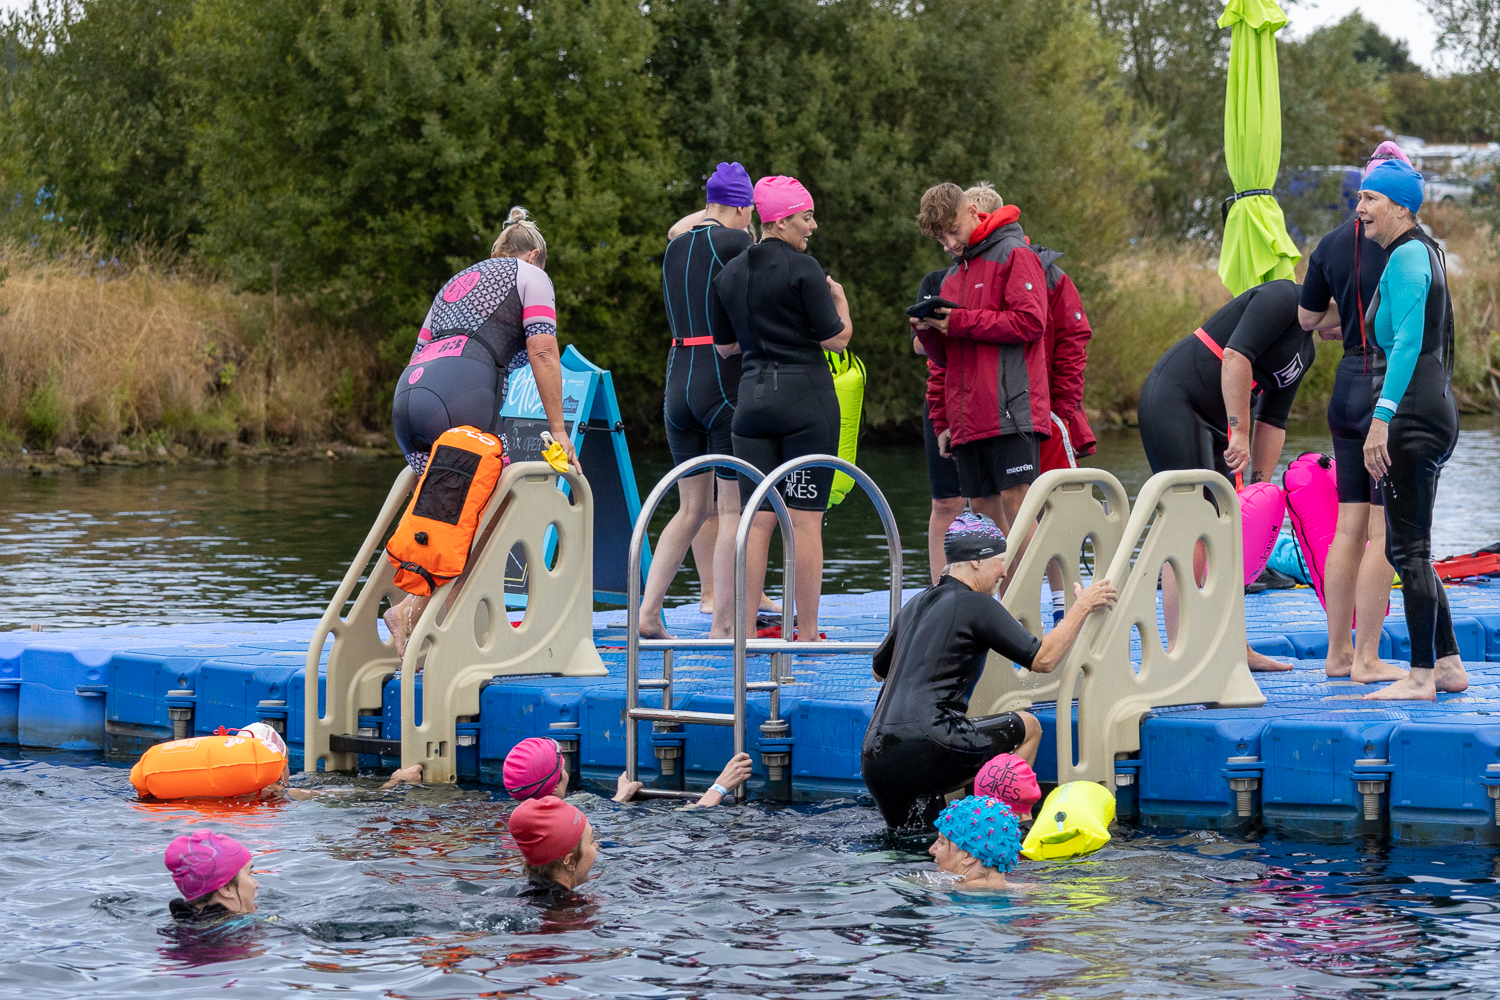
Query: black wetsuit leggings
column 909, row 769
column 785, row 412
column 1422, row 438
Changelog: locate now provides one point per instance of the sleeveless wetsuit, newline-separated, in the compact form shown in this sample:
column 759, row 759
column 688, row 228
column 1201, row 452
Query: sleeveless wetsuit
column 1412, row 321
column 920, row 744
column 774, row 300
column 474, row 337
column 1183, row 422
column 699, row 399
column 1331, row 273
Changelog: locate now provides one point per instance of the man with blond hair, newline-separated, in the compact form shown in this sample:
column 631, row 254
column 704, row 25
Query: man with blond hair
column 988, row 391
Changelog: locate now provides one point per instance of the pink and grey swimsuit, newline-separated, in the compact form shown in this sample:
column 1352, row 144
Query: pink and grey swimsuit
column 474, row 337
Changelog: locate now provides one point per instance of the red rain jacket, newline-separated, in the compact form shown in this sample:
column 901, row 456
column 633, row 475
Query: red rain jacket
column 1068, row 334
column 996, row 379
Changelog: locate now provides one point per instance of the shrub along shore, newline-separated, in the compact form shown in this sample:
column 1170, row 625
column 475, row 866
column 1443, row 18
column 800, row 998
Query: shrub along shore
column 139, row 359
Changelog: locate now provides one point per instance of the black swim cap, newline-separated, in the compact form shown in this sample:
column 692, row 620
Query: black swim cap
column 973, row 536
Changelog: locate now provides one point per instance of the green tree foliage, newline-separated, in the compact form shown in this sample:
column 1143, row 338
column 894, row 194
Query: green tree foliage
column 91, row 116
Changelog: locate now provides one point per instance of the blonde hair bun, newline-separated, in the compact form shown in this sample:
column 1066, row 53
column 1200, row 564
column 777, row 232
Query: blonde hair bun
column 517, row 214
column 519, row 237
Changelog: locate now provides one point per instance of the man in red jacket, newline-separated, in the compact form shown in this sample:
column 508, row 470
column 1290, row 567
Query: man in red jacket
column 989, row 402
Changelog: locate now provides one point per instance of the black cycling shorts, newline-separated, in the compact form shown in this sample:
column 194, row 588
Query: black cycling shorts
column 785, row 412
column 1350, row 410
column 910, row 775
column 437, row 396
column 992, row 465
column 698, row 403
column 942, row 473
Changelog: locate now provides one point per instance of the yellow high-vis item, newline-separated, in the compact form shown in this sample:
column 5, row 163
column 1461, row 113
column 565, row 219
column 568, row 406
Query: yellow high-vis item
column 1074, row 820
column 849, row 385
column 553, row 454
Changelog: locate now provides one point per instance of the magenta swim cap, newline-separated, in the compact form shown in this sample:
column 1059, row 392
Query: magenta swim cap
column 1011, row 780
column 205, row 862
column 777, row 197
column 1387, row 150
column 533, row 768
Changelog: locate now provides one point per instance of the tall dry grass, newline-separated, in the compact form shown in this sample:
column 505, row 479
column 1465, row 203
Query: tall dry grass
column 100, row 350
column 1160, row 293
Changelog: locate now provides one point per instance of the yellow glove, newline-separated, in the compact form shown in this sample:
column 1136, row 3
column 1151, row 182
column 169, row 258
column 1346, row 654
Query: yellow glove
column 553, row 453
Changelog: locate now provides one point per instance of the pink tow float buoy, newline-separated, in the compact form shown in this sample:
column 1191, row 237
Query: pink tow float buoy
column 1313, row 500
column 1262, row 509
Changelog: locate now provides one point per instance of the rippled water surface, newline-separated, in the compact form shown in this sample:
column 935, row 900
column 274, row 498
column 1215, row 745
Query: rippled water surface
column 271, row 540
column 407, row 894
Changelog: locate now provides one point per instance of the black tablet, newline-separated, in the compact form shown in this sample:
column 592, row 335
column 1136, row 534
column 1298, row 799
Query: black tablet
column 925, row 308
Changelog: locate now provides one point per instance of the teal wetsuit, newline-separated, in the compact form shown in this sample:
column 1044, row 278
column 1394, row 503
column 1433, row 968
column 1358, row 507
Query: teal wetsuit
column 1412, row 321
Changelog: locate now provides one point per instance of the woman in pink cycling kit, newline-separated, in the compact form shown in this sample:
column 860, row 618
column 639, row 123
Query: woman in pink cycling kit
column 489, row 320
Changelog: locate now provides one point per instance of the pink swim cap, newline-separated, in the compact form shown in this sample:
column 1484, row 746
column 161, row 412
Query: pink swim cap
column 777, row 197
column 205, row 862
column 1010, row 779
column 533, row 768
column 1387, row 150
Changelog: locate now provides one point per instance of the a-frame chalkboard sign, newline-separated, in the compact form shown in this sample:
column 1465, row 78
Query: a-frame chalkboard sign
column 593, row 421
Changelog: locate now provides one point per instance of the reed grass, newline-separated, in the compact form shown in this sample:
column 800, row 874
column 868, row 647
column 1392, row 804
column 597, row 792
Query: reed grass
column 135, row 348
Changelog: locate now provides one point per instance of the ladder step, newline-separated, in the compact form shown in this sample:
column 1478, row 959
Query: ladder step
column 678, row 715
column 662, row 793
column 364, row 744
column 762, row 685
column 653, row 683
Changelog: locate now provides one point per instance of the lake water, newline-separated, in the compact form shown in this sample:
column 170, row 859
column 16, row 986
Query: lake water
column 270, row 541
column 407, row 894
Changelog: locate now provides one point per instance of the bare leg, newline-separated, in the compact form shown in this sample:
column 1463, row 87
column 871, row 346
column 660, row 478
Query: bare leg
column 704, row 543
column 402, row 618
column 1010, row 504
column 1027, row 750
column 728, row 520
column 696, row 494
column 757, row 551
column 1169, row 599
column 1343, row 566
column 1371, row 599
column 993, row 508
column 807, row 526
column 944, row 511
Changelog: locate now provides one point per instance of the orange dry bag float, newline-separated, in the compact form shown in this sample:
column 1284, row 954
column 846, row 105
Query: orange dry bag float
column 218, row 766
column 431, row 544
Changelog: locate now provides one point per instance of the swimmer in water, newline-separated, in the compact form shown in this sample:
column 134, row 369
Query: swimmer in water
column 212, row 872
column 534, row 769
column 282, row 787
column 1011, row 780
column 557, row 842
column 979, row 840
column 921, row 743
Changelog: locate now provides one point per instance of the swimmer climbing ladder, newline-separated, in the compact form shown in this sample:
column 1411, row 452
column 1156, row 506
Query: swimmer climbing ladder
column 775, row 741
column 1070, row 515
column 1207, row 665
column 458, row 648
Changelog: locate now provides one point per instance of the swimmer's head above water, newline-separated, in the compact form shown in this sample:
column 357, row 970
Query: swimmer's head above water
column 978, row 839
column 210, row 868
column 973, row 546
column 534, row 769
column 556, row 841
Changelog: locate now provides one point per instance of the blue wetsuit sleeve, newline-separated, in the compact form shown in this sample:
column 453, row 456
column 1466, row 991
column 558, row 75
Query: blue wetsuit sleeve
column 1403, row 300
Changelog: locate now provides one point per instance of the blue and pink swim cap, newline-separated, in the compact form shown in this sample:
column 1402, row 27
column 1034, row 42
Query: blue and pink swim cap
column 985, row 829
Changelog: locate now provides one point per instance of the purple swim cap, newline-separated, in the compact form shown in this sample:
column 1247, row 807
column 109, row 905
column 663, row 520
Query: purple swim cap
column 205, row 862
column 730, row 185
column 1387, row 150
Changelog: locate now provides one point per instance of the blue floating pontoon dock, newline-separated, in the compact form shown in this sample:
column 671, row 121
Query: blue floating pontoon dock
column 1315, row 762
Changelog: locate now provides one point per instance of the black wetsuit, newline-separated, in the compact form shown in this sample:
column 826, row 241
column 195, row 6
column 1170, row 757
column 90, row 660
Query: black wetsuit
column 1415, row 380
column 1184, row 424
column 699, row 399
column 920, row 744
column 774, row 300
column 1331, row 274
column 942, row 473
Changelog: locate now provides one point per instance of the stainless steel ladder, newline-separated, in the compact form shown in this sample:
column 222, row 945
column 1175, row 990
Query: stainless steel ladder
column 779, row 650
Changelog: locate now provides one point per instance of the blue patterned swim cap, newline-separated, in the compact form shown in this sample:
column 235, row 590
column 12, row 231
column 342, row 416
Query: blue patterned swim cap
column 985, row 828
column 973, row 536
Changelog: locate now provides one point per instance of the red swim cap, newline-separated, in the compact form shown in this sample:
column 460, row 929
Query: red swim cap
column 546, row 829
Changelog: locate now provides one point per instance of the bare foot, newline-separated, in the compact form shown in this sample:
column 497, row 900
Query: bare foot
column 652, row 628
column 1339, row 664
column 1451, row 675
column 395, row 620
column 706, row 605
column 769, row 606
column 1264, row 664
column 405, row 776
column 1372, row 673
column 1410, row 688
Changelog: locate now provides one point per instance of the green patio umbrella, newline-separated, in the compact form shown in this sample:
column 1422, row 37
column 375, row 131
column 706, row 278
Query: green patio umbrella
column 1256, row 245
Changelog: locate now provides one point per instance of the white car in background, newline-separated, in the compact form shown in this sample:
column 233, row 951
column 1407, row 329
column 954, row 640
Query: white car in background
column 1453, row 189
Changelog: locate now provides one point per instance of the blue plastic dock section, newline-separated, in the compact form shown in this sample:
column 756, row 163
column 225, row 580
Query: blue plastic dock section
column 1314, row 763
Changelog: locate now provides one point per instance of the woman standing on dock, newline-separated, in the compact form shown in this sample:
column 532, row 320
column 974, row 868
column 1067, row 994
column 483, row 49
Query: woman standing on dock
column 1415, row 426
column 487, row 321
column 774, row 304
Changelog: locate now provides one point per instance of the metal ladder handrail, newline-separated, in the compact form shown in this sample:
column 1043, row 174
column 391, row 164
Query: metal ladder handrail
column 633, row 641
column 741, row 642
